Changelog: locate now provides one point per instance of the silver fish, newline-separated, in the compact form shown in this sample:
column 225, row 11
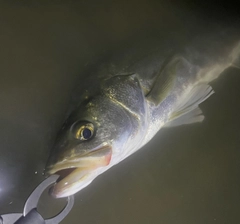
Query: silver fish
column 129, row 110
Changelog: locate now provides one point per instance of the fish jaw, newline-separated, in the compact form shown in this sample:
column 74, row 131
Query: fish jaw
column 76, row 174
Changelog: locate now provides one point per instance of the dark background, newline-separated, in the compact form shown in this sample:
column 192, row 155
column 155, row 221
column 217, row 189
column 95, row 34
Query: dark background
column 184, row 175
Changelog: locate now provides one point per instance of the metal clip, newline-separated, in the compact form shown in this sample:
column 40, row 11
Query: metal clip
column 31, row 204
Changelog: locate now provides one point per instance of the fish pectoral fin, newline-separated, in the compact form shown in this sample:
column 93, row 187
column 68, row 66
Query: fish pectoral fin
column 187, row 110
column 166, row 79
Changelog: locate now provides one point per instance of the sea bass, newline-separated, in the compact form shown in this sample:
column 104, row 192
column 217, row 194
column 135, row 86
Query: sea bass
column 129, row 110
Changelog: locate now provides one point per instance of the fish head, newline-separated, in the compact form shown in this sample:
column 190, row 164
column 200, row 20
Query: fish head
column 91, row 140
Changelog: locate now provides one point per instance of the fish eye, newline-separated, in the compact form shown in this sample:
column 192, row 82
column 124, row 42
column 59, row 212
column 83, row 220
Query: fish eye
column 85, row 132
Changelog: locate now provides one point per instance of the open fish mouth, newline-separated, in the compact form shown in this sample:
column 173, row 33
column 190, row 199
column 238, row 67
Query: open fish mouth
column 75, row 174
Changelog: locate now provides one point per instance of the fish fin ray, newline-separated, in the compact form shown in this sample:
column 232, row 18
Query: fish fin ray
column 192, row 98
column 191, row 117
column 187, row 111
column 165, row 80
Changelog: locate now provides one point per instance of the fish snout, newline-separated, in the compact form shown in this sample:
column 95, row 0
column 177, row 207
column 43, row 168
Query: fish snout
column 76, row 173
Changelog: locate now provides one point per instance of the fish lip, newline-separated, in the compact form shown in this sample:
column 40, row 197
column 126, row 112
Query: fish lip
column 72, row 171
column 72, row 162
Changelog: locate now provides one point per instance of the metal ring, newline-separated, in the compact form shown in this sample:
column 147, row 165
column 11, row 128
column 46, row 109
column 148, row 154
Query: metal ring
column 32, row 201
column 60, row 216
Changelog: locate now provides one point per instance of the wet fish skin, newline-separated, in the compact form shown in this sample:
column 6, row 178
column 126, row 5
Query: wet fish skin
column 118, row 114
column 127, row 112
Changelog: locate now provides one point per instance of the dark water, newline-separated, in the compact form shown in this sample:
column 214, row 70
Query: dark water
column 184, row 175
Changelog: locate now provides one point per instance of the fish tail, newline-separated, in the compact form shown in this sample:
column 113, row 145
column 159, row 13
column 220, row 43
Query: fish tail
column 235, row 55
column 213, row 71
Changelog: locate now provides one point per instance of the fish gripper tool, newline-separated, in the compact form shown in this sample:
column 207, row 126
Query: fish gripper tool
column 30, row 214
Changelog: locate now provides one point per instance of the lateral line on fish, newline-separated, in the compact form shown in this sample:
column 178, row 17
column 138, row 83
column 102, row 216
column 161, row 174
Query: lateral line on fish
column 124, row 106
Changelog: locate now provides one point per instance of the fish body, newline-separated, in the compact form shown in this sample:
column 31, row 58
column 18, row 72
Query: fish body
column 126, row 113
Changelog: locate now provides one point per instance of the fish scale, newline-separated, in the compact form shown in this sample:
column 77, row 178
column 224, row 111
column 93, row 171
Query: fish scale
column 133, row 105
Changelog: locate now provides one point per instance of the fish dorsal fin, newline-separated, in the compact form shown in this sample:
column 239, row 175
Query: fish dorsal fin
column 187, row 110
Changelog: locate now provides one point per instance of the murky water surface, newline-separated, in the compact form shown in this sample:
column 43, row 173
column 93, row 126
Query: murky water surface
column 184, row 175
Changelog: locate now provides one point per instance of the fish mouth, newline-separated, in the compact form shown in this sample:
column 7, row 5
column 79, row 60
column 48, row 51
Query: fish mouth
column 76, row 173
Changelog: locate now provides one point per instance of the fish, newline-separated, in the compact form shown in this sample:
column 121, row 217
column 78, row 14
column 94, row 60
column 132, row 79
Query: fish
column 131, row 106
